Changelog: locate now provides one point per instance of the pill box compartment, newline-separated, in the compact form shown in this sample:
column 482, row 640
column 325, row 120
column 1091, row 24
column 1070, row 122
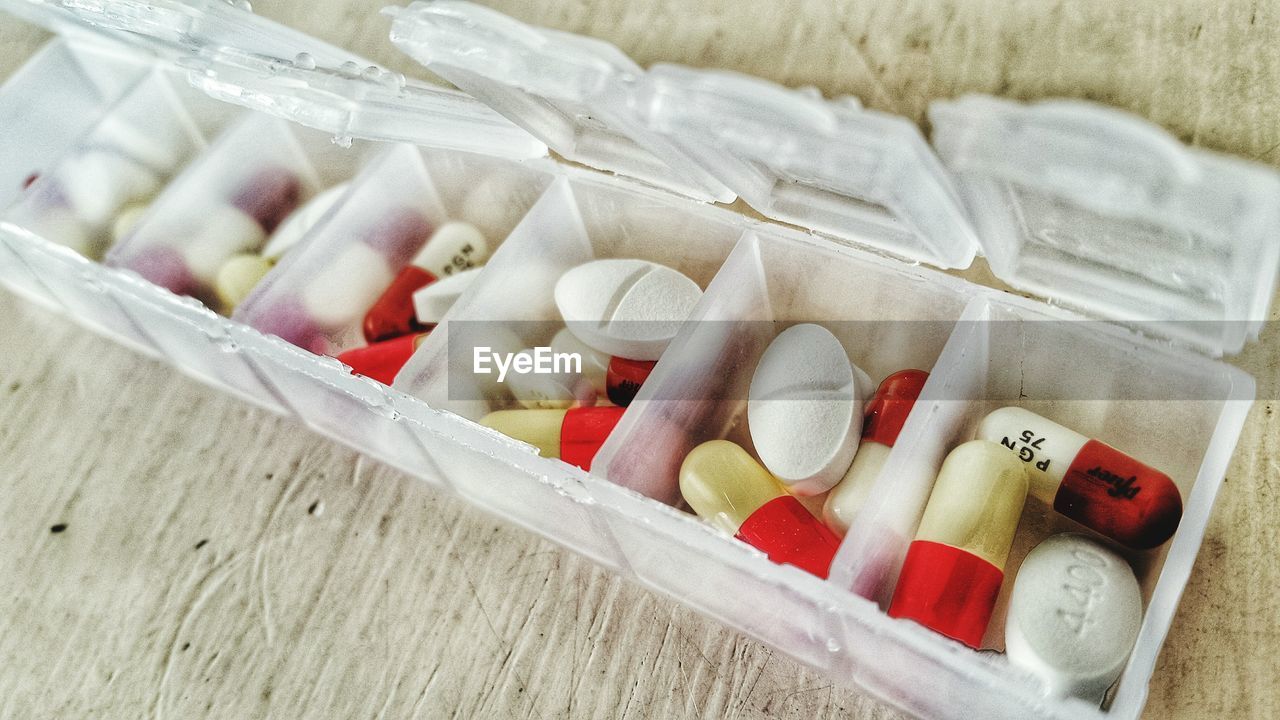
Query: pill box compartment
column 818, row 622
column 511, row 304
column 319, row 294
column 887, row 315
column 1170, row 408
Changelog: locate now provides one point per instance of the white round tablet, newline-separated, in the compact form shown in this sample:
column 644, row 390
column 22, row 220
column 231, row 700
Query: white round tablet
column 1074, row 615
column 629, row 308
column 432, row 301
column 804, row 409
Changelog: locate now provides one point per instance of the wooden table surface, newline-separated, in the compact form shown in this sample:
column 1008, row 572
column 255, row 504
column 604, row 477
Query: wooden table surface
column 168, row 551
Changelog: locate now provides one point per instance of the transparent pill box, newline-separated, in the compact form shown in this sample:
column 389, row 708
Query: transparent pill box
column 1145, row 262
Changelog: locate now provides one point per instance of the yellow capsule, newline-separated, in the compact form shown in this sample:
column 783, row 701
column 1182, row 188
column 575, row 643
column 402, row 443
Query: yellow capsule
column 725, row 485
column 540, row 428
column 127, row 219
column 573, row 435
column 237, row 277
column 977, row 501
column 951, row 577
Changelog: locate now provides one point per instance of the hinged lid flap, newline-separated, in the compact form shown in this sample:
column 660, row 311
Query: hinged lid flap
column 830, row 166
column 242, row 58
column 566, row 89
column 1094, row 208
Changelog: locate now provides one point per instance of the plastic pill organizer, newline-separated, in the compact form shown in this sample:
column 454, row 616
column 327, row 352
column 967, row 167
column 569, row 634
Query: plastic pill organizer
column 1082, row 206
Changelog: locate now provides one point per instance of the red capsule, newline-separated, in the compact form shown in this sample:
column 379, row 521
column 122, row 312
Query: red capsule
column 733, row 492
column 1089, row 481
column 889, row 407
column 450, row 249
column 269, row 197
column 392, row 315
column 883, row 420
column 574, row 435
column 382, row 361
column 953, row 570
column 624, row 378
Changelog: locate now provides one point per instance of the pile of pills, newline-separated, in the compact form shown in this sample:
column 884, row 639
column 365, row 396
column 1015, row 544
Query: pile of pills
column 819, row 435
column 815, row 434
column 242, row 272
column 99, row 190
column 1075, row 608
column 620, row 315
column 404, row 306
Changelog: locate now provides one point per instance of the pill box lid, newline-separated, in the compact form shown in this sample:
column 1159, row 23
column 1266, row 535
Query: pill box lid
column 236, row 56
column 566, row 89
column 1099, row 210
column 850, row 173
column 855, row 175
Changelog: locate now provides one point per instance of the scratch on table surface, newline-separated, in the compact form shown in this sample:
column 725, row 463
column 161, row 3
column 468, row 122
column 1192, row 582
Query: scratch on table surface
column 426, row 690
column 205, row 588
column 795, row 693
column 746, row 698
column 506, row 647
column 261, row 568
column 357, row 471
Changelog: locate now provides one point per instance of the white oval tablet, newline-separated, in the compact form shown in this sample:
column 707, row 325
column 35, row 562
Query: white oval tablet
column 804, row 409
column 452, row 248
column 628, row 308
column 1074, row 615
column 300, row 221
column 431, row 302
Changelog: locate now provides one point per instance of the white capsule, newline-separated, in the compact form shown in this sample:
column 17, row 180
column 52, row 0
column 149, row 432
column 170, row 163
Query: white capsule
column 98, row 183
column 160, row 143
column 1074, row 615
column 595, row 364
column 339, row 295
column 452, row 248
column 630, row 308
column 300, row 222
column 431, row 302
column 804, row 409
column 221, row 231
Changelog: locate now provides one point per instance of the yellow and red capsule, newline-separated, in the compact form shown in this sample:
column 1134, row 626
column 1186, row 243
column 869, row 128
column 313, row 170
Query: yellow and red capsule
column 727, row 487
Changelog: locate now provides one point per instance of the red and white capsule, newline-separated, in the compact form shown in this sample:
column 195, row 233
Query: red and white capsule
column 954, row 568
column 882, row 421
column 1089, row 481
column 624, row 378
column 452, row 248
column 382, row 361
